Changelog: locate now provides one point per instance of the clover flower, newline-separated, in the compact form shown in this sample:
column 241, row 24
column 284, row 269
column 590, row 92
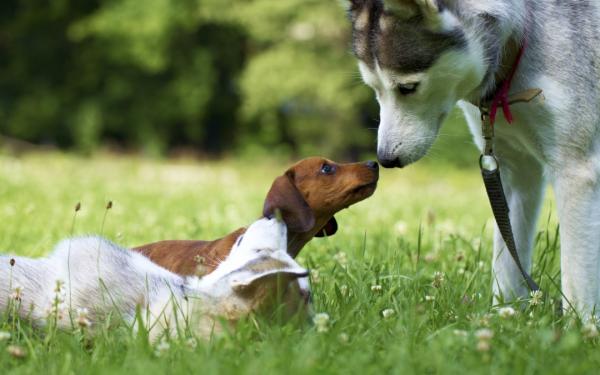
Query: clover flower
column 82, row 318
column 438, row 279
column 536, row 297
column 16, row 351
column 590, row 330
column 506, row 312
column 315, row 276
column 344, row 290
column 162, row 347
column 321, row 321
column 17, row 293
column 191, row 343
column 460, row 333
column 484, row 339
column 341, row 258
column 401, row 227
column 484, row 334
column 376, row 288
column 388, row 313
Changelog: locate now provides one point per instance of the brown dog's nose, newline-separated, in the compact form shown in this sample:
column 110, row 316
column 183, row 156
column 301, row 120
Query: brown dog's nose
column 372, row 165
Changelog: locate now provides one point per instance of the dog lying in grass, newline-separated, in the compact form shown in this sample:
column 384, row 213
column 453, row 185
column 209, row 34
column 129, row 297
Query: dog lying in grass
column 308, row 195
column 87, row 279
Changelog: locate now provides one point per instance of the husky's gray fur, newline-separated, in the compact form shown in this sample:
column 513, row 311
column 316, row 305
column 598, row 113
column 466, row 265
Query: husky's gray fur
column 94, row 274
column 423, row 56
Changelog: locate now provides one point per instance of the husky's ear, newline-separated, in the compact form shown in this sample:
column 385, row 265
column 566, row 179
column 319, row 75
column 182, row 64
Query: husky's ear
column 329, row 229
column 429, row 9
column 358, row 12
column 353, row 5
column 284, row 196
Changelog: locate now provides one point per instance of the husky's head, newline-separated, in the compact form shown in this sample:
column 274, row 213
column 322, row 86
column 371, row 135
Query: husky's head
column 418, row 60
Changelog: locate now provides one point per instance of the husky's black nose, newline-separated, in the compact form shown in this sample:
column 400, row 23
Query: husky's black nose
column 372, row 165
column 391, row 163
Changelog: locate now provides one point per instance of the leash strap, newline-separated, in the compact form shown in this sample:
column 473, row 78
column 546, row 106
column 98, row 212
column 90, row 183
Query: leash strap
column 488, row 163
column 490, row 171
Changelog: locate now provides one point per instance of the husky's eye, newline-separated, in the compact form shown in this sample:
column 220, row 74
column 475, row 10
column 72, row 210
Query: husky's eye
column 327, row 169
column 407, row 88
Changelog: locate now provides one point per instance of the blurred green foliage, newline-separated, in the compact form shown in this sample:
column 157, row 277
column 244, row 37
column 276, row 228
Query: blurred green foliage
column 218, row 76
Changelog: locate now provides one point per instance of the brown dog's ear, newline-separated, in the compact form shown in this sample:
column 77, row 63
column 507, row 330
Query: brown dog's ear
column 329, row 229
column 284, row 196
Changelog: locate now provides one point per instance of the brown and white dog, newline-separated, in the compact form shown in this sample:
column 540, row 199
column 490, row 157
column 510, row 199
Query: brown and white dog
column 88, row 280
column 308, row 195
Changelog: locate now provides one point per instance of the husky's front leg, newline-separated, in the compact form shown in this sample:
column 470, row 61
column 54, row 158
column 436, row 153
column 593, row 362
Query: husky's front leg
column 577, row 188
column 524, row 185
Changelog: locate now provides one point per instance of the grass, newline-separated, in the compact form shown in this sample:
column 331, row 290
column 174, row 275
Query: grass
column 424, row 220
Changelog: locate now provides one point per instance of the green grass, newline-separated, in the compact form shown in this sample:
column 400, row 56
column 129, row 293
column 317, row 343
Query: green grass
column 428, row 218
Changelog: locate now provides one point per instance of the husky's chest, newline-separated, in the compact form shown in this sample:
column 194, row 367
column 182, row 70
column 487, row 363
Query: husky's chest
column 561, row 124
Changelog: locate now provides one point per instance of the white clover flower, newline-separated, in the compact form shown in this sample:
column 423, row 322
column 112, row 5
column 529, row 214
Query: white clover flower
column 344, row 290
column 82, row 318
column 321, row 321
column 4, row 335
column 58, row 288
column 485, row 334
column 429, row 298
column 484, row 320
column 162, row 347
column 483, row 346
column 536, row 297
column 344, row 338
column 56, row 310
column 17, row 293
column 438, row 279
column 376, row 288
column 16, row 351
column 506, row 312
column 315, row 276
column 341, row 258
column 589, row 330
column 387, row 313
column 401, row 227
column 191, row 343
column 460, row 333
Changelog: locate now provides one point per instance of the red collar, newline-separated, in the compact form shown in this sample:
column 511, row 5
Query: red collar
column 500, row 98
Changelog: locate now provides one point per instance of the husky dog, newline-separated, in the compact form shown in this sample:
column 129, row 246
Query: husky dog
column 421, row 57
column 86, row 279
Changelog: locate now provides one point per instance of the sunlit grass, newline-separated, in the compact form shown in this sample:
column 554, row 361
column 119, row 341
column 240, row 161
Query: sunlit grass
column 405, row 283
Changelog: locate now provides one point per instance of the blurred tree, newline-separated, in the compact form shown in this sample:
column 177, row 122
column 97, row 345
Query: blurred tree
column 216, row 75
column 301, row 90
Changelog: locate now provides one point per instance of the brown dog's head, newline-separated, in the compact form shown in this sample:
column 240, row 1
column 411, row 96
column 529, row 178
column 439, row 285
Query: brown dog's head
column 313, row 190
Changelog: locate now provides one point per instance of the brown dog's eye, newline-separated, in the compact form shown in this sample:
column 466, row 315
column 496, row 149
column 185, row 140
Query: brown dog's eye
column 327, row 169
